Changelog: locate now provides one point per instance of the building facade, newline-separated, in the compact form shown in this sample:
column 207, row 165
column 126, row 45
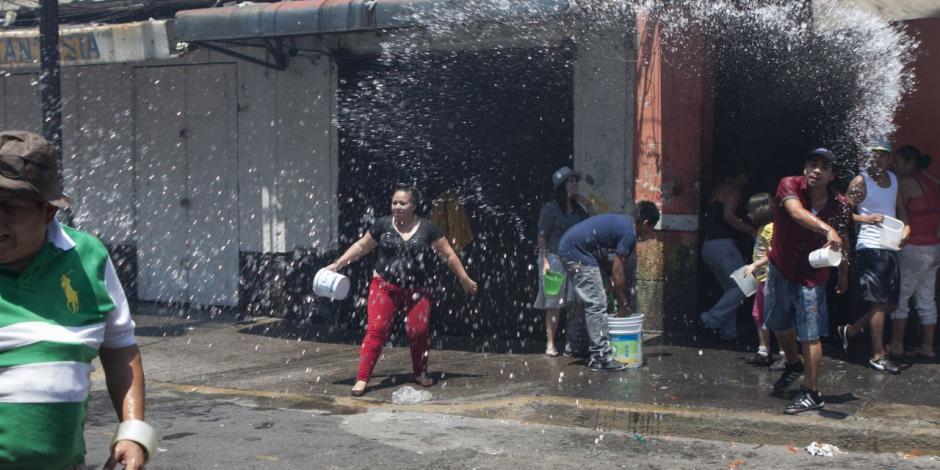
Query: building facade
column 227, row 155
column 227, row 173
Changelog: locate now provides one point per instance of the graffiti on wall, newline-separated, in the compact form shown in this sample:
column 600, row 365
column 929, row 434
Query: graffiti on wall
column 597, row 174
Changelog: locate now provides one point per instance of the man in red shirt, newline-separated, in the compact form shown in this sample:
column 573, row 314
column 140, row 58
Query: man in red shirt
column 809, row 216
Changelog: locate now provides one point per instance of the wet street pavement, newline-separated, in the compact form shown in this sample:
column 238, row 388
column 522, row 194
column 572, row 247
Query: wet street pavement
column 248, row 374
column 202, row 431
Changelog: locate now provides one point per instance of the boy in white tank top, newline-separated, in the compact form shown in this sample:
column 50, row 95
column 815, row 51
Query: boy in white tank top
column 874, row 194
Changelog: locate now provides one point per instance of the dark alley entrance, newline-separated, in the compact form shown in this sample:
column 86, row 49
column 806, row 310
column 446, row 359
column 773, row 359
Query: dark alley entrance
column 772, row 106
column 485, row 128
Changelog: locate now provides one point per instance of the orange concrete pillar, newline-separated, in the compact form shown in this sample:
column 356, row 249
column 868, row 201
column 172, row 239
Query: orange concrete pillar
column 917, row 118
column 673, row 141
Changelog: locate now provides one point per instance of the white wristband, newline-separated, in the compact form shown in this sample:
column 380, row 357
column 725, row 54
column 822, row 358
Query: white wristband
column 139, row 432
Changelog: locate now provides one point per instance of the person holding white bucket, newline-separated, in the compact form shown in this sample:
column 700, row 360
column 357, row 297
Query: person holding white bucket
column 760, row 210
column 582, row 249
column 919, row 205
column 874, row 193
column 566, row 209
column 399, row 281
column 721, row 255
column 809, row 215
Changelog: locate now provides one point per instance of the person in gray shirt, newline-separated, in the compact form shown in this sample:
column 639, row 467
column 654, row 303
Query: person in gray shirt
column 566, row 209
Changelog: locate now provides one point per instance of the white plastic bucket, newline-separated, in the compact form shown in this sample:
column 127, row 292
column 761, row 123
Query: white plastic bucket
column 747, row 284
column 891, row 230
column 622, row 322
column 626, row 339
column 330, row 284
column 825, row 258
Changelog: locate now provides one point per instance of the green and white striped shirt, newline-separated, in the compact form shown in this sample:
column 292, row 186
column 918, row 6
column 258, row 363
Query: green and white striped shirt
column 54, row 316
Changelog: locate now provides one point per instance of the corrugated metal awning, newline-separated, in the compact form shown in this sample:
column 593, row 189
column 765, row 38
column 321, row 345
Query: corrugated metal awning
column 297, row 18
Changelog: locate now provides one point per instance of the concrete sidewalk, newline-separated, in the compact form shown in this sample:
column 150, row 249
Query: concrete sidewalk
column 682, row 390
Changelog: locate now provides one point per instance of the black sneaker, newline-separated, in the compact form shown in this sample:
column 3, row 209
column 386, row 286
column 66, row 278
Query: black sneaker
column 779, row 364
column 885, row 365
column 844, row 336
column 806, row 400
column 761, row 360
column 705, row 330
column 608, row 365
column 569, row 353
column 791, row 373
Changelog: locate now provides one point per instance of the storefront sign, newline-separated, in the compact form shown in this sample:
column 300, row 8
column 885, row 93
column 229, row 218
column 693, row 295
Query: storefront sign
column 127, row 42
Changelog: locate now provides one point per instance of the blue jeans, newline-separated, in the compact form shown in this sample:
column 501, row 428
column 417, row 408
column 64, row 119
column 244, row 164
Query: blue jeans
column 788, row 306
column 723, row 258
column 589, row 287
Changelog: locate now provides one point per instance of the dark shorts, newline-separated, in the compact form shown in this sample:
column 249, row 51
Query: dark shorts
column 879, row 275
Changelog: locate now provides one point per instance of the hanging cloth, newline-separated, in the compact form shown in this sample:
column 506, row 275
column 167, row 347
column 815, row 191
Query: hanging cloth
column 448, row 214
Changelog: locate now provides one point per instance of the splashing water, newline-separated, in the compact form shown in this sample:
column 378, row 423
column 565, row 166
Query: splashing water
column 832, row 78
column 478, row 101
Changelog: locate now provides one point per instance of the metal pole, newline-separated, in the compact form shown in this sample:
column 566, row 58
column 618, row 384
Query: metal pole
column 49, row 80
column 50, row 88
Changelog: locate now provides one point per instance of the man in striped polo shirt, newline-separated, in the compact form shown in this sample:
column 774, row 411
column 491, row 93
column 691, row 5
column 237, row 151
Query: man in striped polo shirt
column 61, row 305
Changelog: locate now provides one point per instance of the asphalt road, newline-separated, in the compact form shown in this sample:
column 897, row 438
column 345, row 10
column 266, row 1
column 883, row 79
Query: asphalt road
column 201, row 431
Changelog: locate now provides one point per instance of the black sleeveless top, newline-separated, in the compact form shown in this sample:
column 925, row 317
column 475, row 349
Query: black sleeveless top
column 405, row 263
column 716, row 227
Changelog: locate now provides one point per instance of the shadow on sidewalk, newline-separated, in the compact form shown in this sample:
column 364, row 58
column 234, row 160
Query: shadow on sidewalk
column 306, row 331
column 176, row 319
column 157, row 331
column 393, row 380
column 840, row 399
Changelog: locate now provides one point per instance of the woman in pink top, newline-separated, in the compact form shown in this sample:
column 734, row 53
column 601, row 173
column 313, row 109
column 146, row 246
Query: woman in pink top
column 919, row 205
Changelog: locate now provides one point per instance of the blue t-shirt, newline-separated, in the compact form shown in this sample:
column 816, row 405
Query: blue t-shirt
column 590, row 239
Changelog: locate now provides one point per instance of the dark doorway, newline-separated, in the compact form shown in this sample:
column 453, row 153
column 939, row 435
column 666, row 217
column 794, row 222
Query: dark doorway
column 776, row 99
column 488, row 126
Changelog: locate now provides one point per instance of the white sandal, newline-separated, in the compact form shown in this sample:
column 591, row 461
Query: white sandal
column 551, row 352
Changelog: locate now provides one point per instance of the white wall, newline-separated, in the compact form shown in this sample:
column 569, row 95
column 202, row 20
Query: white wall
column 286, row 145
column 306, row 150
column 21, row 102
column 280, row 156
column 97, row 138
column 287, row 155
column 604, row 71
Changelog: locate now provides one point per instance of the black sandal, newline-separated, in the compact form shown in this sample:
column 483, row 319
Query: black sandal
column 424, row 381
column 924, row 358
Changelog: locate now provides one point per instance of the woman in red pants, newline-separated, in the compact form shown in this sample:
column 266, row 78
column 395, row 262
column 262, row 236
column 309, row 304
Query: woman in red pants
column 399, row 281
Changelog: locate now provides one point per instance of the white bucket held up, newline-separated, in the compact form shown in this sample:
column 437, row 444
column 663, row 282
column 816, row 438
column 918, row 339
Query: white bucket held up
column 330, row 284
column 891, row 230
column 825, row 257
column 626, row 340
column 747, row 284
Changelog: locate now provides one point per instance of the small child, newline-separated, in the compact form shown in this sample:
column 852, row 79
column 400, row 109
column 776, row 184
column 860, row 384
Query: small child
column 761, row 212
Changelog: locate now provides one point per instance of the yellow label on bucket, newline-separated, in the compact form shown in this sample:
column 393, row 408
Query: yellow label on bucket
column 627, row 348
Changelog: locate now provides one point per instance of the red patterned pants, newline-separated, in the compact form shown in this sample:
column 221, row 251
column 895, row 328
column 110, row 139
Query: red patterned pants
column 385, row 299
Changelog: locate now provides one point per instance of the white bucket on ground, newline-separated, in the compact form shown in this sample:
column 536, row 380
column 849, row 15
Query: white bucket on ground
column 890, row 231
column 330, row 284
column 747, row 284
column 825, row 258
column 626, row 339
